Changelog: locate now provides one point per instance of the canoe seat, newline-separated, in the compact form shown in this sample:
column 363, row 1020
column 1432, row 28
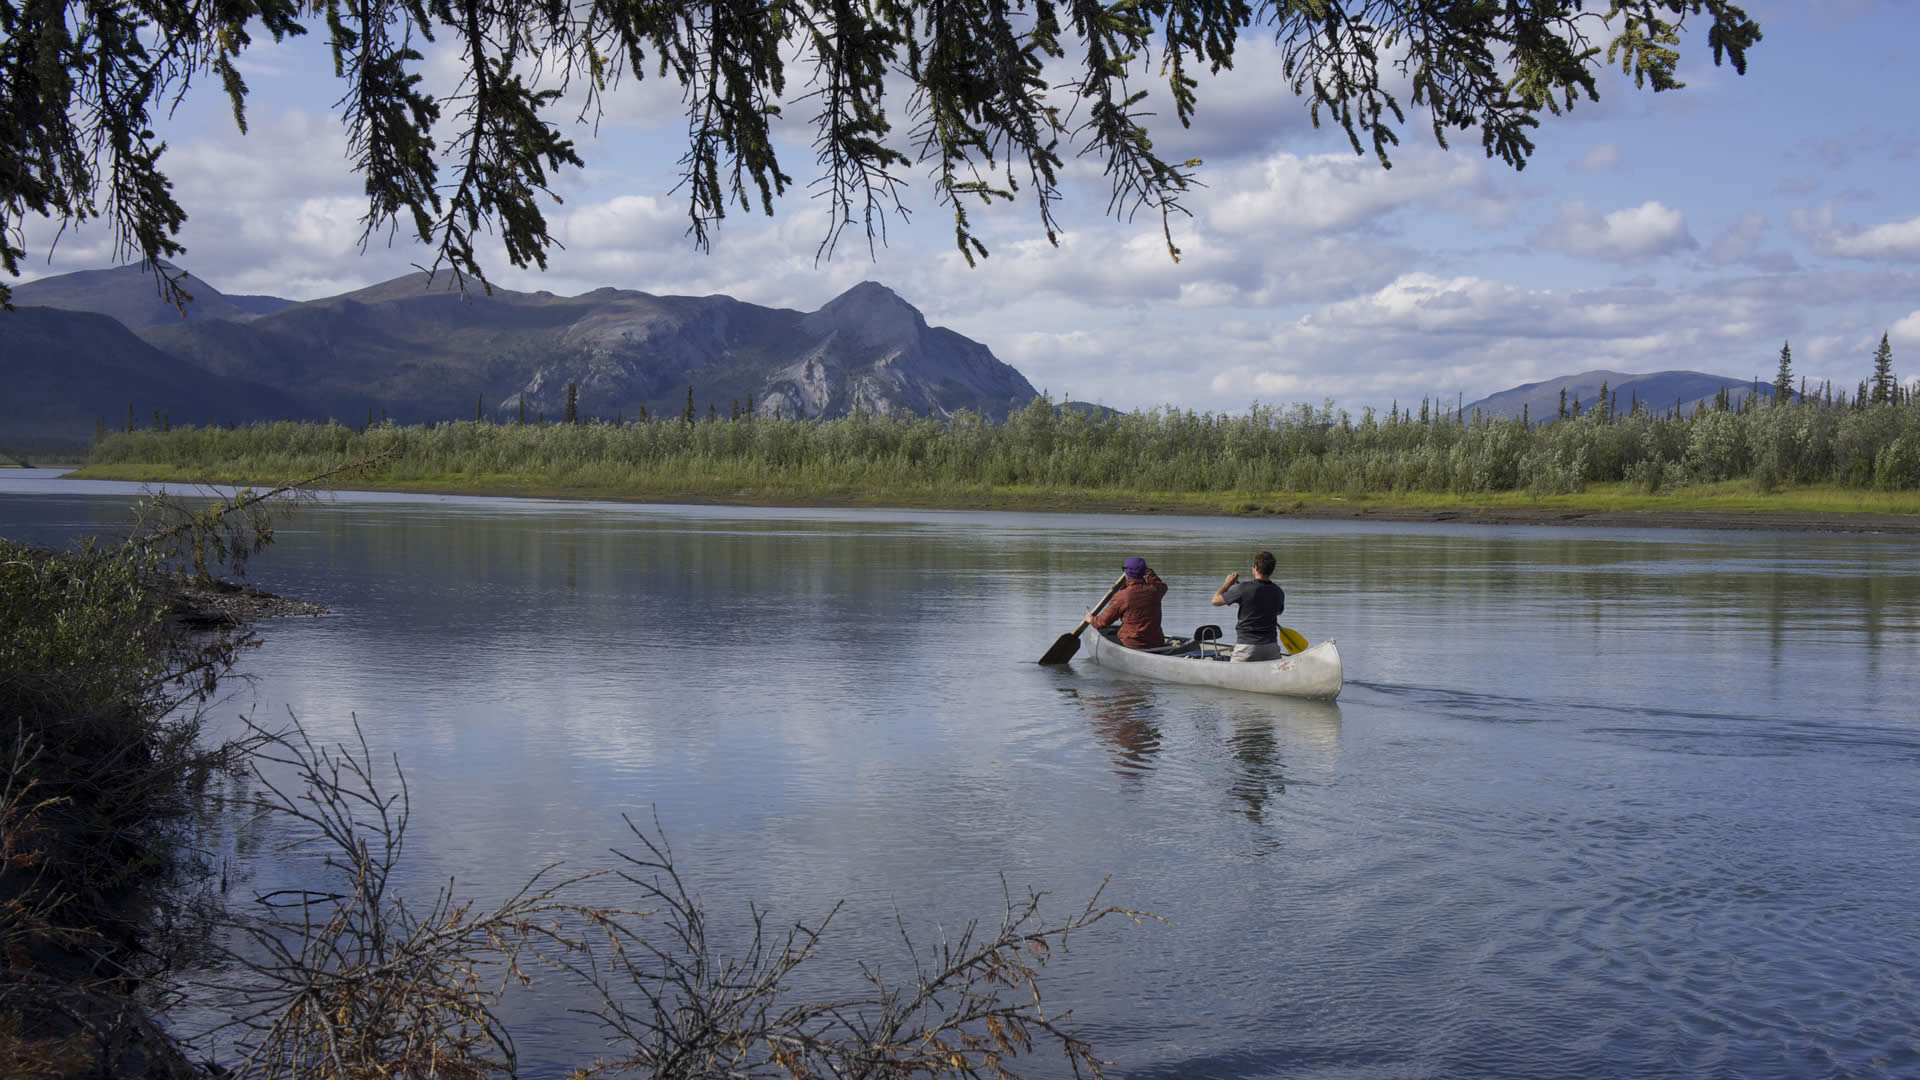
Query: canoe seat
column 1206, row 639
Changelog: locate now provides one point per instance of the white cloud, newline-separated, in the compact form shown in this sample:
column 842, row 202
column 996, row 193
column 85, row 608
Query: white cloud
column 1641, row 232
column 1326, row 193
column 1906, row 330
column 1602, row 156
column 1896, row 240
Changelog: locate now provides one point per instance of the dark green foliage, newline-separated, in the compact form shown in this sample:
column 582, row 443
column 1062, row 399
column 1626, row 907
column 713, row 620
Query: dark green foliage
column 106, row 665
column 1883, row 380
column 573, row 405
column 985, row 112
column 1783, row 378
column 1300, row 449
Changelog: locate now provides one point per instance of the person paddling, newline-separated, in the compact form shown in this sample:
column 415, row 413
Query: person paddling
column 1137, row 606
column 1256, row 633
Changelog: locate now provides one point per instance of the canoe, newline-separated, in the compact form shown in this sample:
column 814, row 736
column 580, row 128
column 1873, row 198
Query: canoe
column 1313, row 673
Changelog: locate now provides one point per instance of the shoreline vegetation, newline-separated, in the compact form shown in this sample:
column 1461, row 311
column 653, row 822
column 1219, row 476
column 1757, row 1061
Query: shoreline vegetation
column 1803, row 464
column 110, row 656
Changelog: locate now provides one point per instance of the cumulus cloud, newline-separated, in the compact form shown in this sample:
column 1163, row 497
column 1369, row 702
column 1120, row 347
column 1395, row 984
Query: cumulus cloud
column 1327, row 192
column 1906, row 330
column 1602, row 156
column 1897, row 241
column 1641, row 232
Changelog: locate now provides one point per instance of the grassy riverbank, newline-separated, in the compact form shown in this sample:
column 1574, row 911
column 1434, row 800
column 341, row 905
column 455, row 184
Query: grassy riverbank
column 1813, row 506
column 1807, row 461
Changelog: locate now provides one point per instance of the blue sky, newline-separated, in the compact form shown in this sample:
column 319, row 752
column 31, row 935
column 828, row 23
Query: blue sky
column 1694, row 229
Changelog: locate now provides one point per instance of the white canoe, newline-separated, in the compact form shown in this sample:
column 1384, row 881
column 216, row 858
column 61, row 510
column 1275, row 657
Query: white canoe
column 1313, row 673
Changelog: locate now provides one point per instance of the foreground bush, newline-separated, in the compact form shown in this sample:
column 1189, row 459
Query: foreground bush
column 101, row 689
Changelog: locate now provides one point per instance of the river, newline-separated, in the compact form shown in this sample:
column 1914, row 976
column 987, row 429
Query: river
column 1593, row 803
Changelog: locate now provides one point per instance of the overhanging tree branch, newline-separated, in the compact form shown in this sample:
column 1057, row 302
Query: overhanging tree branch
column 81, row 79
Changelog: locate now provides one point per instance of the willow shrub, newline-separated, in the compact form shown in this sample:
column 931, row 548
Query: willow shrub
column 1299, row 449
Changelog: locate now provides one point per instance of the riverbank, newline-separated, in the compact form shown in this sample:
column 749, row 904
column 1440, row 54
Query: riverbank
column 1728, row 505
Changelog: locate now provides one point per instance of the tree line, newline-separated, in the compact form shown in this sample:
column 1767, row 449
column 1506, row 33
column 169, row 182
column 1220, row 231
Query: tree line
column 1869, row 440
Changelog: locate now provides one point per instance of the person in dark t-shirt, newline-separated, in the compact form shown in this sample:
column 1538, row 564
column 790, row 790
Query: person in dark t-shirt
column 1256, row 633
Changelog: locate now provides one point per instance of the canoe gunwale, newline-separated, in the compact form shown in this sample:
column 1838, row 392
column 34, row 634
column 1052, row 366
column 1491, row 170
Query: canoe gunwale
column 1311, row 673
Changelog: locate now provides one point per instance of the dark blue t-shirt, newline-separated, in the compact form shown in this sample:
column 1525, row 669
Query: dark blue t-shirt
column 1261, row 603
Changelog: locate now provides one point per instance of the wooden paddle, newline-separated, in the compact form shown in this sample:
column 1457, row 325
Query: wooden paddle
column 1067, row 644
column 1293, row 639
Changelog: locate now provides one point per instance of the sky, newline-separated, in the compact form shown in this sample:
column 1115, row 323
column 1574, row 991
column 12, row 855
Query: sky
column 1696, row 229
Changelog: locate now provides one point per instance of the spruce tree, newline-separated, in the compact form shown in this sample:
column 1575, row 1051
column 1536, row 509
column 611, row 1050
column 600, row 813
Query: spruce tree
column 129, row 416
column 1603, row 411
column 1563, row 403
column 687, row 413
column 573, row 402
column 1883, row 381
column 523, row 409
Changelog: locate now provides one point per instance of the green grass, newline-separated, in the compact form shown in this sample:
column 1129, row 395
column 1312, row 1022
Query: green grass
column 1725, row 497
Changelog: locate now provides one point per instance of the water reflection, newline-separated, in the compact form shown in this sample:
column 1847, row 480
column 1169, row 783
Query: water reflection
column 1582, row 782
column 1263, row 737
column 1125, row 718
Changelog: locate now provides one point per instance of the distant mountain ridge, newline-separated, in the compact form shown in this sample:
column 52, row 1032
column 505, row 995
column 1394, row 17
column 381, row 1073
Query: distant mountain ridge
column 65, row 371
column 1661, row 390
column 414, row 349
column 131, row 296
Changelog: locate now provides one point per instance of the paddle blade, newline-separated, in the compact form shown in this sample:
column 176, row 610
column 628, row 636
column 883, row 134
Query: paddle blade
column 1063, row 649
column 1293, row 639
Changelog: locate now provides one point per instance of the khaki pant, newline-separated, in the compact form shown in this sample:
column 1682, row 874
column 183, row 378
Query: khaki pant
column 1265, row 650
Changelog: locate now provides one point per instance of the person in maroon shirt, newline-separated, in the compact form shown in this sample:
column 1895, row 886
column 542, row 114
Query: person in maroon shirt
column 1136, row 606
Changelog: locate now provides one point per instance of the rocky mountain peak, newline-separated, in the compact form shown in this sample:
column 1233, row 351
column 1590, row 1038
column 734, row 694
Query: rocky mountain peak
column 868, row 314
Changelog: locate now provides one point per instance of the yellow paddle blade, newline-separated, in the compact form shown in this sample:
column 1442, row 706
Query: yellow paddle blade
column 1293, row 640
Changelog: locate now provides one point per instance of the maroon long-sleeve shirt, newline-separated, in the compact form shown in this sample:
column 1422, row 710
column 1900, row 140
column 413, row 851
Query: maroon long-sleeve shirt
column 1137, row 606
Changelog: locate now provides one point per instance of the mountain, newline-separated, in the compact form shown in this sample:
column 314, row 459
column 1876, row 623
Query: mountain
column 68, row 370
column 131, row 296
column 1660, row 390
column 416, row 349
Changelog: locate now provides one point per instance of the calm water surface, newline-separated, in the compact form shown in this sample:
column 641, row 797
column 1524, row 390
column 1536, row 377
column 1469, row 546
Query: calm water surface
column 1594, row 803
